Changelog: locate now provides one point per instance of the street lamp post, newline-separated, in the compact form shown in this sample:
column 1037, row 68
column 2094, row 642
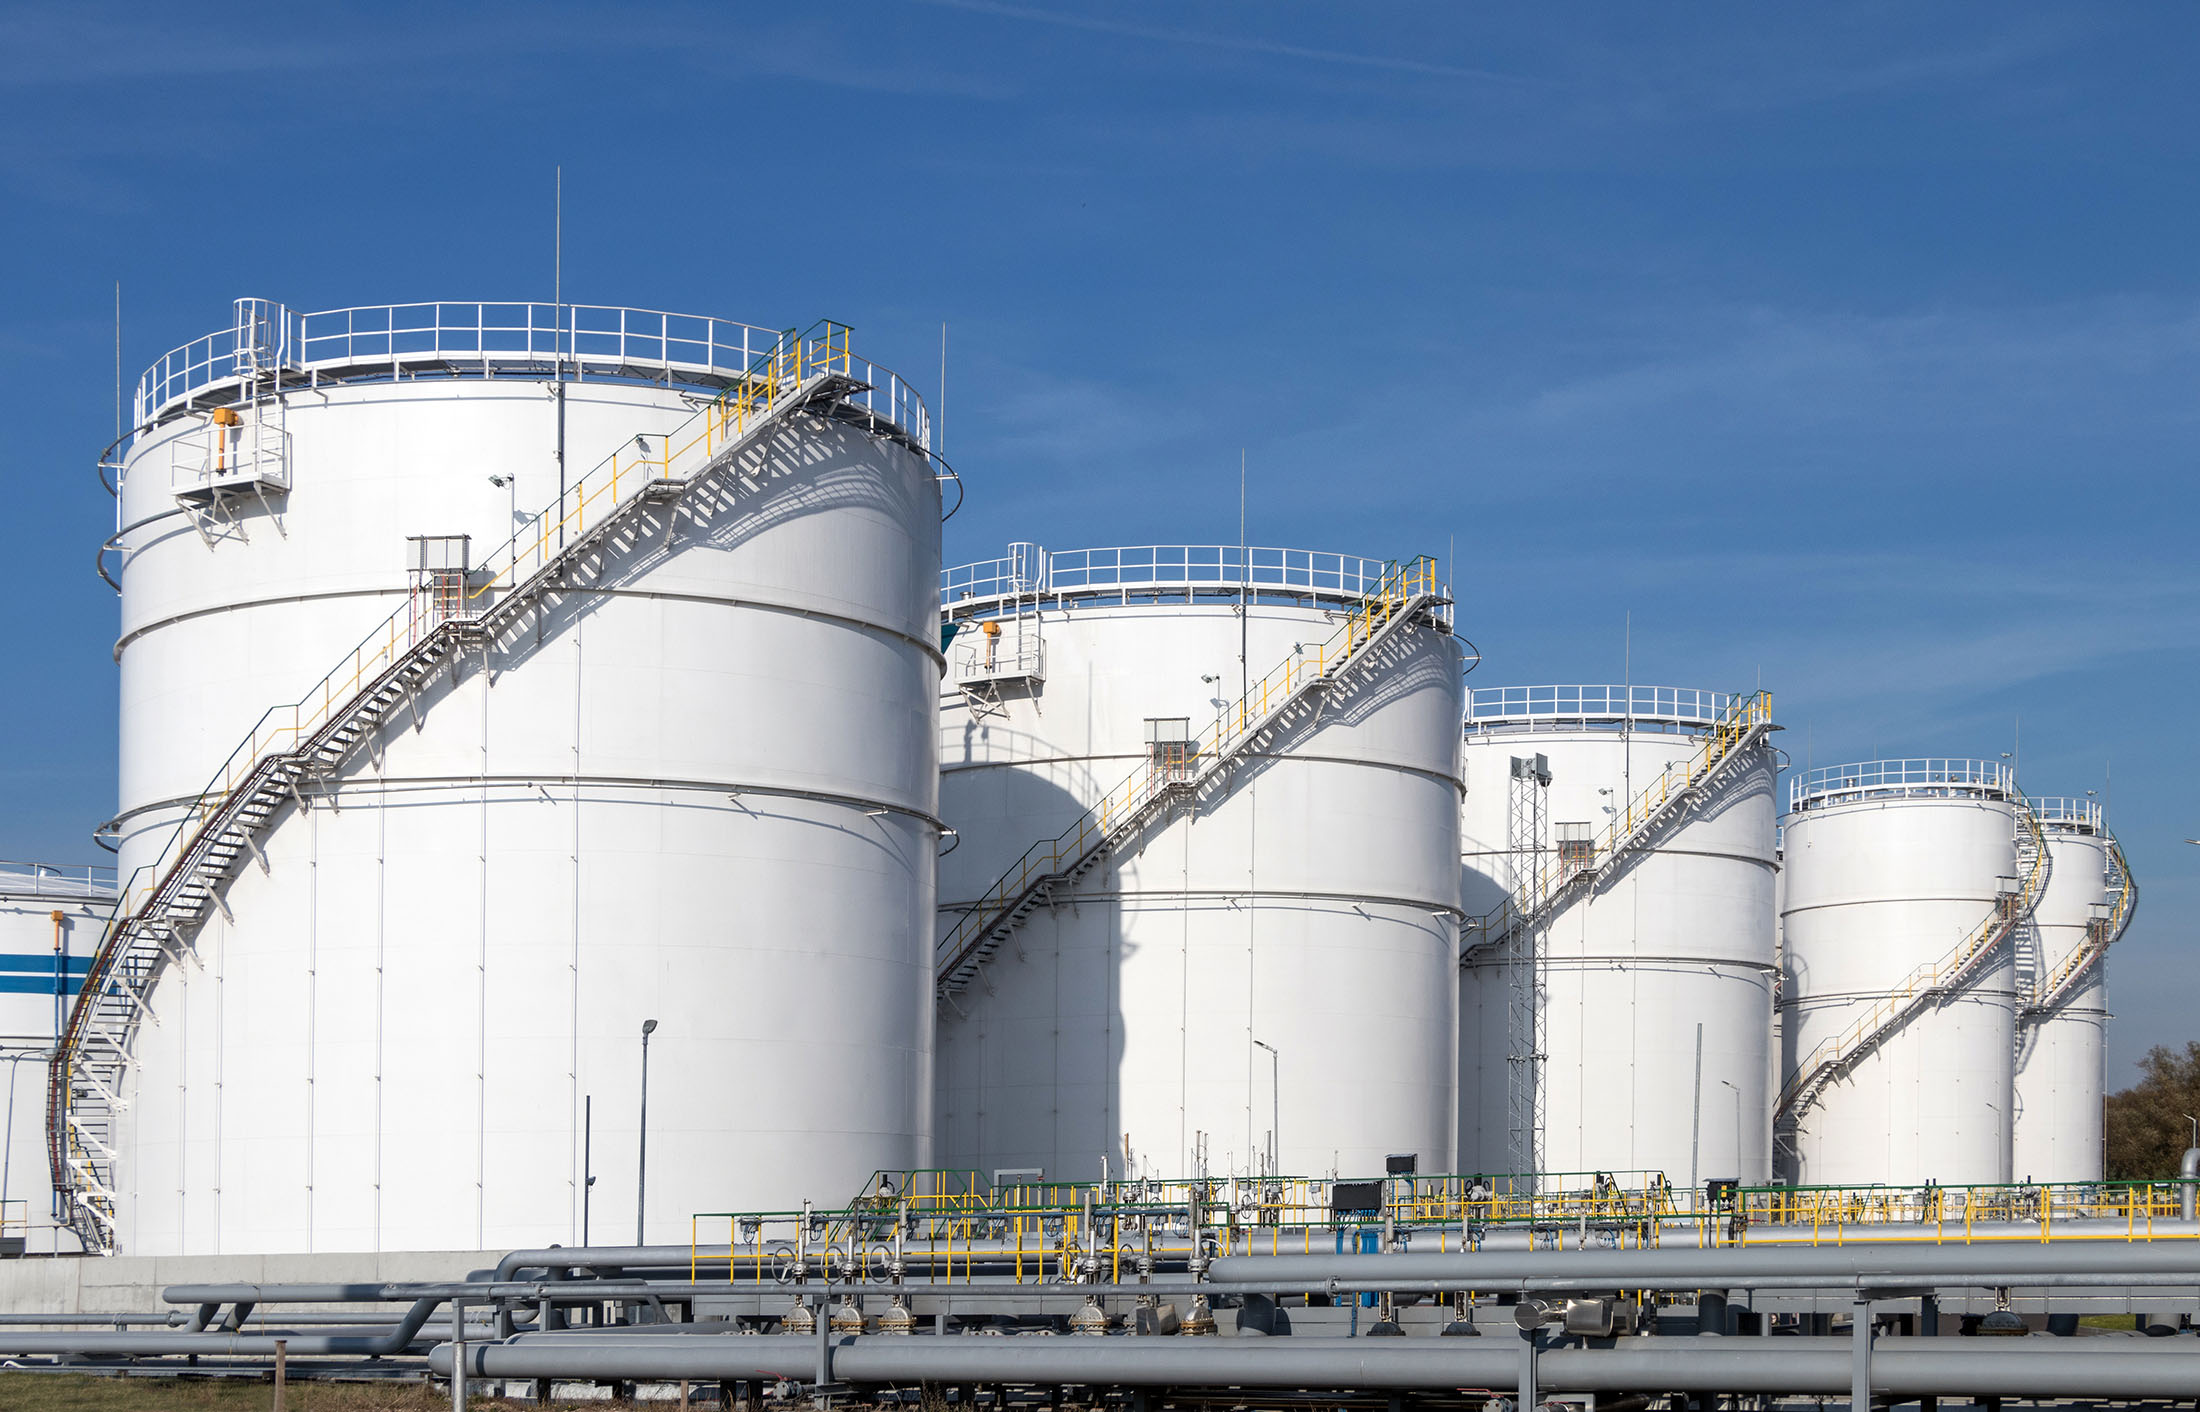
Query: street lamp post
column 1737, row 1129
column 1275, row 1109
column 641, row 1176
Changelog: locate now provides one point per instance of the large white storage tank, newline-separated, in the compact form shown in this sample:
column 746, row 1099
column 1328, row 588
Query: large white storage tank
column 1899, row 1008
column 1653, row 969
column 695, row 785
column 50, row 920
column 2062, row 1024
column 1258, row 979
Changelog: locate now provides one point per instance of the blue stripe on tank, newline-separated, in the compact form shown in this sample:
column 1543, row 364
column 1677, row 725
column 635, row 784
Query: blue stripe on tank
column 35, row 985
column 37, row 962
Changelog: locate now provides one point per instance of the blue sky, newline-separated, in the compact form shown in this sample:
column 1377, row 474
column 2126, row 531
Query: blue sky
column 1852, row 351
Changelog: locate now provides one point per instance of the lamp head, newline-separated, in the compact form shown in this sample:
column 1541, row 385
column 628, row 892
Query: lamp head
column 649, row 1027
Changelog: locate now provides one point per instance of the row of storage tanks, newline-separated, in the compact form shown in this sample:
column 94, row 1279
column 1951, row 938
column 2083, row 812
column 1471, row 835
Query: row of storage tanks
column 741, row 777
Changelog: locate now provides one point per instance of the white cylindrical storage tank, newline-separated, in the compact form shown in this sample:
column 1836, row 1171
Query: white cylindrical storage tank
column 1260, row 977
column 2060, row 1047
column 1645, row 961
column 1894, row 867
column 50, row 921
column 694, row 784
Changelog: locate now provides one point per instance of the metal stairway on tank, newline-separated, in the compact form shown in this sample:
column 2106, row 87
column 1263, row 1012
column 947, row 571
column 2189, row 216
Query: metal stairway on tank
column 1408, row 594
column 160, row 909
column 1927, row 984
column 1550, row 878
column 2101, row 934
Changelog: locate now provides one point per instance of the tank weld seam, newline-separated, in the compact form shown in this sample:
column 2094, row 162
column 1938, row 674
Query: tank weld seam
column 1711, row 853
column 395, row 784
column 930, row 649
column 1627, row 963
column 1972, row 900
column 1445, row 777
column 1301, row 894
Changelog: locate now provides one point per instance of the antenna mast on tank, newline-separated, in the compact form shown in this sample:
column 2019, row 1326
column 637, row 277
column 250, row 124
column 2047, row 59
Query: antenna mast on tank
column 557, row 342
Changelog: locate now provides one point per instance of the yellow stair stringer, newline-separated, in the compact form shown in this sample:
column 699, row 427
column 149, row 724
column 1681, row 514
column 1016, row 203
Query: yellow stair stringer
column 1835, row 1054
column 1406, row 593
column 159, row 909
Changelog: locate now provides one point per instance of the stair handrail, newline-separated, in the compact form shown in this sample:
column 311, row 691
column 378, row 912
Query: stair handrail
column 1402, row 590
column 1837, row 1052
column 2101, row 933
column 1548, row 875
column 789, row 368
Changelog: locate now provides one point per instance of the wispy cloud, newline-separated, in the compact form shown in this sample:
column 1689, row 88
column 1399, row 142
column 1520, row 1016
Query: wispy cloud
column 1237, row 43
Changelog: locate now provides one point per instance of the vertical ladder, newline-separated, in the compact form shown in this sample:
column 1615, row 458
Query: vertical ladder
column 1525, row 961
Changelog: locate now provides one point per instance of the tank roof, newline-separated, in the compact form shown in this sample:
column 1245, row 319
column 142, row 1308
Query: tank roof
column 1144, row 574
column 62, row 882
column 1925, row 778
column 1594, row 707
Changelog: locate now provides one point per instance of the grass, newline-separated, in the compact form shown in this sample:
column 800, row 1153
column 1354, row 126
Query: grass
column 43, row 1392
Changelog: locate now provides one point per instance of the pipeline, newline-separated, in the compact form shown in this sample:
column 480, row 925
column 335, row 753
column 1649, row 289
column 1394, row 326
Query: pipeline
column 2089, row 1263
column 1900, row 1367
column 2188, row 1175
column 375, row 1342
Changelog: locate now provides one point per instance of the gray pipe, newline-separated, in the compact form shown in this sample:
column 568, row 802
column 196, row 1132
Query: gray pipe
column 1900, row 1367
column 379, row 1343
column 2101, row 1262
column 2188, row 1171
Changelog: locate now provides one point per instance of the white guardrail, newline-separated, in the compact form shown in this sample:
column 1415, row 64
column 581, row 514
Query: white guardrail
column 1494, row 706
column 1929, row 777
column 479, row 339
column 92, row 881
column 2070, row 814
column 1030, row 569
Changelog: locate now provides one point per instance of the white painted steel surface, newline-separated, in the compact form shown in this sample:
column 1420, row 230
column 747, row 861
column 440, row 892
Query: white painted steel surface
column 1678, row 936
column 2059, row 1076
column 1890, row 864
column 50, row 919
column 704, row 795
column 1311, row 907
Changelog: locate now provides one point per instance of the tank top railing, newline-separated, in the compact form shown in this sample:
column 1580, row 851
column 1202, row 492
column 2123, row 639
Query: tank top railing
column 164, row 901
column 1408, row 590
column 1744, row 720
column 1832, row 1055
